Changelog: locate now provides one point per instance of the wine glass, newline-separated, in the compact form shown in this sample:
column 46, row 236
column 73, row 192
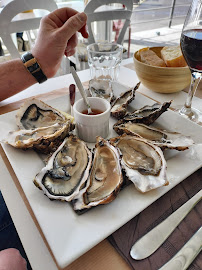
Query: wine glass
column 191, row 46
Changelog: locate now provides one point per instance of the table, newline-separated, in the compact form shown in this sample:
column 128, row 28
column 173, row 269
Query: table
column 101, row 256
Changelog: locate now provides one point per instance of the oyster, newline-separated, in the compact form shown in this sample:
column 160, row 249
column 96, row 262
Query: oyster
column 67, row 170
column 44, row 139
column 34, row 114
column 162, row 138
column 148, row 114
column 105, row 178
column 102, row 89
column 41, row 127
column 119, row 106
column 143, row 162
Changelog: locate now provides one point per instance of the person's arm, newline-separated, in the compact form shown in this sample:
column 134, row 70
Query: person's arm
column 10, row 259
column 57, row 36
column 14, row 78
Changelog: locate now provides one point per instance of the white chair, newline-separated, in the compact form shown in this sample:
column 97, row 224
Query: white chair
column 7, row 26
column 97, row 14
column 99, row 11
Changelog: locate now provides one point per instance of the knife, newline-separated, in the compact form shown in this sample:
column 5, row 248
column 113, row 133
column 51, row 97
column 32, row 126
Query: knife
column 81, row 89
column 151, row 241
column 186, row 254
column 72, row 96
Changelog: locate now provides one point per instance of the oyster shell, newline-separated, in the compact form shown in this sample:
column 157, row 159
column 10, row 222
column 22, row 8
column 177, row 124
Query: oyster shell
column 148, row 114
column 43, row 139
column 119, row 106
column 105, row 178
column 162, row 138
column 41, row 127
column 143, row 162
column 102, row 89
column 67, row 170
column 34, row 114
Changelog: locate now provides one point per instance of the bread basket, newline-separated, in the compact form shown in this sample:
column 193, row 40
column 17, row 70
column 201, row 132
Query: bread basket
column 162, row 79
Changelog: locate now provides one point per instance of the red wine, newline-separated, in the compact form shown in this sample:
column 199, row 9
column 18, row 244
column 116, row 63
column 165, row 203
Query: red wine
column 191, row 45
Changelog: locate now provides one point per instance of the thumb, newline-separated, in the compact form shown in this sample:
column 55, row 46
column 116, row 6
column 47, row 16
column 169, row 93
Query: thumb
column 74, row 24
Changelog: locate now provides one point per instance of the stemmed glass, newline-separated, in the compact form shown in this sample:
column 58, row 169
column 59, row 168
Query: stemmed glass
column 191, row 46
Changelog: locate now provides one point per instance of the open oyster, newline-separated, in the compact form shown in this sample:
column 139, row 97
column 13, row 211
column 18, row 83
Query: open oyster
column 105, row 178
column 41, row 127
column 34, row 114
column 162, row 138
column 102, row 89
column 43, row 139
column 143, row 162
column 119, row 106
column 148, row 114
column 66, row 171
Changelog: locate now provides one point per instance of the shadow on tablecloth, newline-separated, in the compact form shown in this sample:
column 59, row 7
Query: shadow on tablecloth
column 123, row 239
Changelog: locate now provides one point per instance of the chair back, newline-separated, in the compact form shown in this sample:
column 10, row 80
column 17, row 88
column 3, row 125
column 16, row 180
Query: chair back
column 7, row 26
column 108, row 15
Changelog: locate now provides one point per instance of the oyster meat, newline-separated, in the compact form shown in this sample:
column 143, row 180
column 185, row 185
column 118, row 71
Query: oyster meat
column 120, row 104
column 162, row 138
column 148, row 114
column 34, row 114
column 67, row 170
column 41, row 127
column 42, row 139
column 105, row 178
column 102, row 89
column 143, row 162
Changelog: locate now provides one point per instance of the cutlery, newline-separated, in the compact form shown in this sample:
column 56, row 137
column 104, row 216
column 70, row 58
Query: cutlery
column 81, row 89
column 72, row 96
column 151, row 241
column 186, row 254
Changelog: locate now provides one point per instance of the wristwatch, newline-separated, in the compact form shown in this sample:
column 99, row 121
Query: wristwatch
column 33, row 67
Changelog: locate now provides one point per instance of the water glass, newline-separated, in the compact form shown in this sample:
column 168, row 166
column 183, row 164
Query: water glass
column 104, row 60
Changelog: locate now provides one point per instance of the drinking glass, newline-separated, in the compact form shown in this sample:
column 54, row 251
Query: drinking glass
column 191, row 46
column 104, row 60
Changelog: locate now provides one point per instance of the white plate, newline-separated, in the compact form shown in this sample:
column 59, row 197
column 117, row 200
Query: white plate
column 69, row 235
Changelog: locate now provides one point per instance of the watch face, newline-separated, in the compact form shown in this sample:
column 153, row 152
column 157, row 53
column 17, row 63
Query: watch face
column 33, row 68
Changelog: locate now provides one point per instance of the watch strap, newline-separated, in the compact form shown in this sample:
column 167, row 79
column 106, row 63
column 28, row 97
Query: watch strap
column 33, row 67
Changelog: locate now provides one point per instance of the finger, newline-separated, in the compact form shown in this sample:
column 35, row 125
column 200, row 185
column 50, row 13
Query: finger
column 70, row 53
column 72, row 43
column 73, row 24
column 60, row 16
column 84, row 31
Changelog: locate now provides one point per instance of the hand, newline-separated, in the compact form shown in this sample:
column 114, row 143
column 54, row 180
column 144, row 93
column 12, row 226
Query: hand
column 57, row 35
column 10, row 259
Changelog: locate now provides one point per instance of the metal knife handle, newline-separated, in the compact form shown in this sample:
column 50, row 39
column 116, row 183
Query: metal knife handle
column 186, row 254
column 80, row 86
column 151, row 241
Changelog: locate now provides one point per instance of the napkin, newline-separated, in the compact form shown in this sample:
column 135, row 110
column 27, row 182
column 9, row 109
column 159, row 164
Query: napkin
column 123, row 239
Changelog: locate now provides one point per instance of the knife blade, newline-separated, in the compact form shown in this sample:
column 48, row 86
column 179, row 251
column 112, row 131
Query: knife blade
column 186, row 254
column 151, row 241
column 81, row 89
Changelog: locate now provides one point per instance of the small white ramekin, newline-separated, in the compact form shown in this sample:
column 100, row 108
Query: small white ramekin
column 90, row 126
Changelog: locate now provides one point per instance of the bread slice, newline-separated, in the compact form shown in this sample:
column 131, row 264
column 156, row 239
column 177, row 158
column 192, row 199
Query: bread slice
column 173, row 57
column 150, row 58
